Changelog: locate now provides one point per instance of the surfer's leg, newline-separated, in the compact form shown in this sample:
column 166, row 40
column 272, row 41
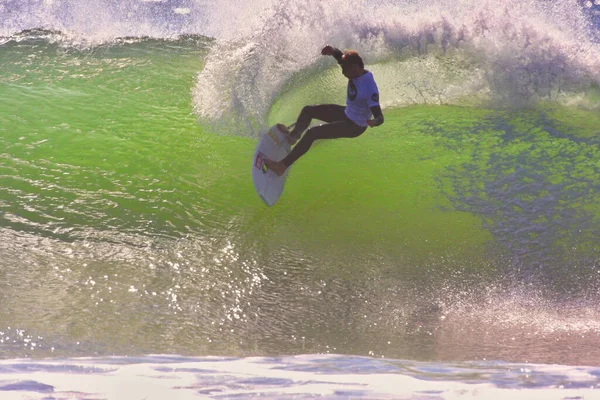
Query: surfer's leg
column 322, row 112
column 333, row 130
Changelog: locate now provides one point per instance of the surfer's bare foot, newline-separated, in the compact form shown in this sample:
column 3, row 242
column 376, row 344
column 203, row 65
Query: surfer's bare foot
column 276, row 166
column 291, row 139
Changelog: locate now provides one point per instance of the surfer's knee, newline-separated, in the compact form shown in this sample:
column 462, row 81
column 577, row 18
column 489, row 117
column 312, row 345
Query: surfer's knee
column 308, row 110
column 312, row 134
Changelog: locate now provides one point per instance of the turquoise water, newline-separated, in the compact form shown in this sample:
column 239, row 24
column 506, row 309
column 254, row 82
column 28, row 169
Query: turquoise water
column 462, row 230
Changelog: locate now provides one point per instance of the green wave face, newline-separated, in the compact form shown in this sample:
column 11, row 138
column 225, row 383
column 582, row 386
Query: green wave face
column 523, row 180
column 105, row 141
column 106, row 176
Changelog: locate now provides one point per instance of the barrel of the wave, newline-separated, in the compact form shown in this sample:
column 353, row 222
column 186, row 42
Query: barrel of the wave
column 273, row 145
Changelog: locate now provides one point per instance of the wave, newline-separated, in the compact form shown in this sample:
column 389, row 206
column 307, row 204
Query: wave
column 423, row 52
column 230, row 18
column 101, row 22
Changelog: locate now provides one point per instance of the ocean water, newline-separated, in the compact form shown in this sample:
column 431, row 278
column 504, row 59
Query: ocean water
column 451, row 253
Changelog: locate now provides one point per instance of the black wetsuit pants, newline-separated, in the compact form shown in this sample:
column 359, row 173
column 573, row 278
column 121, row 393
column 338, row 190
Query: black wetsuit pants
column 337, row 126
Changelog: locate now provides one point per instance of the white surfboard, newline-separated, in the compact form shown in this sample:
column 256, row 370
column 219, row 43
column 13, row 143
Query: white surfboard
column 273, row 145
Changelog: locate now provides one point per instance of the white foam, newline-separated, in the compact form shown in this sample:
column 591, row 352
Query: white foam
column 161, row 377
column 517, row 51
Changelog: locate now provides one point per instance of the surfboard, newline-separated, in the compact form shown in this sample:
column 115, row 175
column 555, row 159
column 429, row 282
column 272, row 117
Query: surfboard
column 273, row 145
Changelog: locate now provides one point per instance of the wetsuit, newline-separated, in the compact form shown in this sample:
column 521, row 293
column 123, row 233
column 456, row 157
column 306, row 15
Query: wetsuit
column 362, row 101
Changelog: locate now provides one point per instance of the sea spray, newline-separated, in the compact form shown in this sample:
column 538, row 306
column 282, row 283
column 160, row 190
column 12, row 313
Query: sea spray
column 512, row 54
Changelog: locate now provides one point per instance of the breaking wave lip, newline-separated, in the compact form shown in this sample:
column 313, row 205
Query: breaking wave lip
column 520, row 53
column 97, row 23
column 165, row 18
column 102, row 22
column 517, row 52
column 66, row 40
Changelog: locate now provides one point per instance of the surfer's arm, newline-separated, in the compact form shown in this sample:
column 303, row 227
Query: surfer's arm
column 337, row 54
column 334, row 52
column 378, row 117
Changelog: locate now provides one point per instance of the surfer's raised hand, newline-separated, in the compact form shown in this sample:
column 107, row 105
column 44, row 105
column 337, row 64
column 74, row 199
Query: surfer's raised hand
column 327, row 51
column 332, row 51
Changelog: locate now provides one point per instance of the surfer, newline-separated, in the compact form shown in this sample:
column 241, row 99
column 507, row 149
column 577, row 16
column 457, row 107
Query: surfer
column 351, row 121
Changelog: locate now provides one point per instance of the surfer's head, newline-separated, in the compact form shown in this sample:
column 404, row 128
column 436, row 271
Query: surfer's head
column 352, row 64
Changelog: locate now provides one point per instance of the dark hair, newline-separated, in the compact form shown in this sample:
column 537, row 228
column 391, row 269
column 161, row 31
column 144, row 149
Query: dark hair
column 352, row 57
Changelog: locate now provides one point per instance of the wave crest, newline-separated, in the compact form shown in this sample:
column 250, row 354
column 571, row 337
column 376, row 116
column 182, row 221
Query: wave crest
column 446, row 52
